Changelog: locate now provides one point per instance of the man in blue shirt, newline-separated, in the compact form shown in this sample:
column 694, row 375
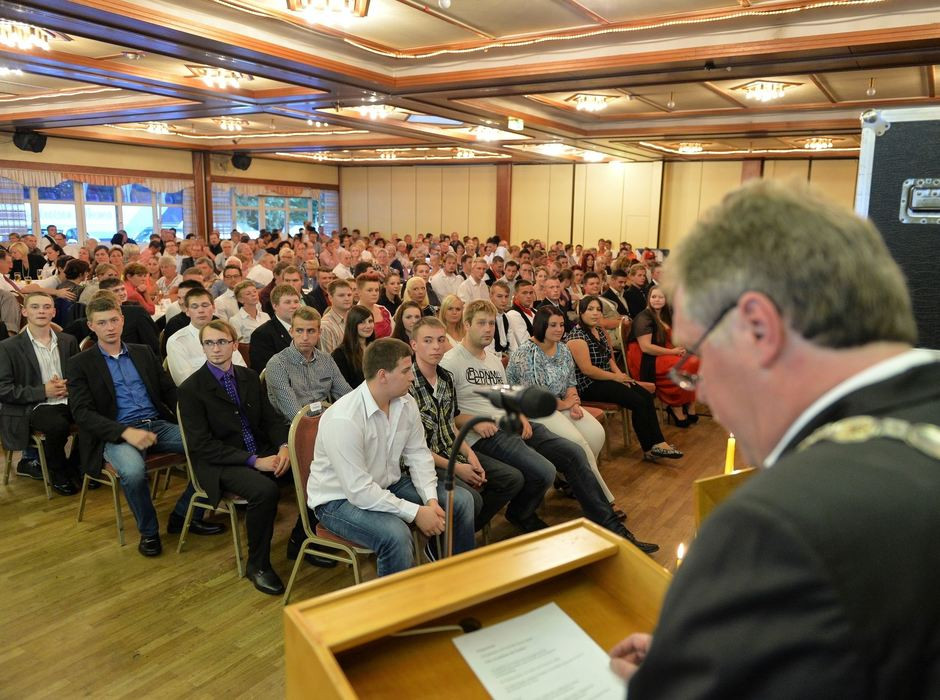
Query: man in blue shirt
column 124, row 404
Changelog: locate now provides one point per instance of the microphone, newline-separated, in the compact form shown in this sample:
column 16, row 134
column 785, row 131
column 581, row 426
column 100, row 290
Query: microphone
column 530, row 401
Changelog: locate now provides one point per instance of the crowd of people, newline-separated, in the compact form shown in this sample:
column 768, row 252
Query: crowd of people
column 396, row 336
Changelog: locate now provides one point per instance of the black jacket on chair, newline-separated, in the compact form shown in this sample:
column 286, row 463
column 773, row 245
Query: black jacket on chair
column 267, row 340
column 817, row 579
column 21, row 386
column 93, row 401
column 139, row 327
column 213, row 427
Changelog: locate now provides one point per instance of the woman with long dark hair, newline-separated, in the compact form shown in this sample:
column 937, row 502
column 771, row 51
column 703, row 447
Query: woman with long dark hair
column 408, row 314
column 651, row 354
column 368, row 285
column 358, row 333
column 600, row 379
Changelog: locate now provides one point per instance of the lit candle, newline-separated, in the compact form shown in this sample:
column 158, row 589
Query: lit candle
column 729, row 455
column 680, row 554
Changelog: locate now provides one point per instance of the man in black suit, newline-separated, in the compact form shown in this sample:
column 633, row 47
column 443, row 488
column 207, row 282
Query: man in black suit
column 818, row 578
column 273, row 336
column 318, row 298
column 139, row 326
column 236, row 450
column 124, row 404
column 34, row 393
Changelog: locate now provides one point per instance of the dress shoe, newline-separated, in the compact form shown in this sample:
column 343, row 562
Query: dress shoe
column 680, row 422
column 564, row 487
column 531, row 524
column 29, row 468
column 196, row 527
column 65, row 488
column 266, row 581
column 293, row 549
column 150, row 546
column 621, row 516
column 645, row 547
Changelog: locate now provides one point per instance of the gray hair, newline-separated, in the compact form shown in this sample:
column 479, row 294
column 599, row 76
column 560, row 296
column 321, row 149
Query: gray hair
column 827, row 270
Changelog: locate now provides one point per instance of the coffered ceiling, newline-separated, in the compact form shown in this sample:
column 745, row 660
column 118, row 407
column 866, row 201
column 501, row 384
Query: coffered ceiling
column 441, row 81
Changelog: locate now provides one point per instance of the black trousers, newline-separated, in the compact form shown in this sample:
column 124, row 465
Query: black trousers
column 638, row 400
column 55, row 422
column 503, row 482
column 262, row 493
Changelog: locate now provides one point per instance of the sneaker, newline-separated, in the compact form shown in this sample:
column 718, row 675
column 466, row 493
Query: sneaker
column 29, row 468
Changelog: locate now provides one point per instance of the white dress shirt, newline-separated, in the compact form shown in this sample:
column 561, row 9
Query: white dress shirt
column 358, row 454
column 50, row 364
column 444, row 284
column 245, row 325
column 518, row 331
column 342, row 272
column 260, row 275
column 470, row 290
column 225, row 305
column 184, row 354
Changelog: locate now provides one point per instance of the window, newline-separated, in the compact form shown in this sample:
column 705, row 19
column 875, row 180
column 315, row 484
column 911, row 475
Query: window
column 250, row 213
column 99, row 211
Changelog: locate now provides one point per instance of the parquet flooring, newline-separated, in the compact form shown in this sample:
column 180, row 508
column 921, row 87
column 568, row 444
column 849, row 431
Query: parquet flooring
column 81, row 616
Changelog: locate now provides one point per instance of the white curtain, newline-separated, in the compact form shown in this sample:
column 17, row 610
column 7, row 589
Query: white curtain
column 12, row 211
column 51, row 178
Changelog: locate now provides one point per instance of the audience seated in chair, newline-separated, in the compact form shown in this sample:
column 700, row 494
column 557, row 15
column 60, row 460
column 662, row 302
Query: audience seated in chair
column 184, row 351
column 538, row 452
column 34, row 393
column 123, row 402
column 249, row 314
column 240, row 451
column 491, row 483
column 356, row 486
column 333, row 322
column 274, row 335
column 359, row 332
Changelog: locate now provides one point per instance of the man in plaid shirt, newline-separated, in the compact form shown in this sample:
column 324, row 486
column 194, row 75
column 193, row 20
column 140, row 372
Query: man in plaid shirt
column 491, row 483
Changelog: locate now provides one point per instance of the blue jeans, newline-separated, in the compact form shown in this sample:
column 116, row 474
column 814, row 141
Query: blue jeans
column 388, row 535
column 128, row 462
column 540, row 455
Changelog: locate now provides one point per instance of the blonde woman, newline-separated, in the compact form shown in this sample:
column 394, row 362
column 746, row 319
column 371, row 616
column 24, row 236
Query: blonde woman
column 451, row 315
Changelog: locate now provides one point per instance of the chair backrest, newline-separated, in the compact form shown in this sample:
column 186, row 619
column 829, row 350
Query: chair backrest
column 245, row 350
column 86, row 343
column 189, row 462
column 300, row 443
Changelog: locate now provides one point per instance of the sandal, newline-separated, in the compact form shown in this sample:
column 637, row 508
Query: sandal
column 671, row 453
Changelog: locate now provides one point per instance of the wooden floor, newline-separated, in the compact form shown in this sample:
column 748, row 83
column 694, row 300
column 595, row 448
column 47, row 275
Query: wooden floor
column 81, row 616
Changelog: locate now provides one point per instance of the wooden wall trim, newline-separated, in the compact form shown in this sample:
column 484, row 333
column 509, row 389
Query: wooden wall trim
column 751, row 170
column 504, row 200
column 260, row 181
column 202, row 206
column 93, row 170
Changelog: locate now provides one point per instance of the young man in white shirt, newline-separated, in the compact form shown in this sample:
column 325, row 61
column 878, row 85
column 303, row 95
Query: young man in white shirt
column 184, row 353
column 474, row 287
column 522, row 313
column 446, row 281
column 538, row 451
column 356, row 487
column 226, row 305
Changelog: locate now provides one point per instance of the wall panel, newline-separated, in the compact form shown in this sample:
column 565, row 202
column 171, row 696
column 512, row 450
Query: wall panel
column 481, row 197
column 428, row 200
column 379, row 184
column 404, row 200
column 354, row 198
column 786, row 170
column 835, row 180
column 682, row 190
column 455, row 202
column 559, row 203
column 531, row 192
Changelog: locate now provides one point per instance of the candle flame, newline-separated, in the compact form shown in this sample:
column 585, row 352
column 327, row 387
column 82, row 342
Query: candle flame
column 680, row 551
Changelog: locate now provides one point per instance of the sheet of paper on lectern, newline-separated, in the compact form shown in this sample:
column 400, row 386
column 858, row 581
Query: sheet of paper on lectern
column 542, row 655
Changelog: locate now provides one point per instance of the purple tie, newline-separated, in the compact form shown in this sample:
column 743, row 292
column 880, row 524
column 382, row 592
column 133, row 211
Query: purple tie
column 228, row 381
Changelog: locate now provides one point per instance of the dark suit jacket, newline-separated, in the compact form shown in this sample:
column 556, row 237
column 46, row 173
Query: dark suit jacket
column 139, row 327
column 214, row 430
column 93, row 402
column 819, row 577
column 267, row 340
column 21, row 386
column 317, row 299
column 621, row 309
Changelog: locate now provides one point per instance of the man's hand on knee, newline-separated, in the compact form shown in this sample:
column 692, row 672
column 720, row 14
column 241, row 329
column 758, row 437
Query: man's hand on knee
column 430, row 519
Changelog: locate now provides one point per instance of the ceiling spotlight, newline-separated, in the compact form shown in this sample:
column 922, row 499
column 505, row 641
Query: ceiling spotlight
column 818, row 143
column 25, row 37
column 443, row 4
column 10, row 72
column 871, row 91
column 689, row 147
column 672, row 101
column 159, row 128
column 375, row 111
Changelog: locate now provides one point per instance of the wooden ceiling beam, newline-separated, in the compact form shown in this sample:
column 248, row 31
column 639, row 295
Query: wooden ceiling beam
column 587, row 12
column 823, row 88
column 449, row 19
column 727, row 96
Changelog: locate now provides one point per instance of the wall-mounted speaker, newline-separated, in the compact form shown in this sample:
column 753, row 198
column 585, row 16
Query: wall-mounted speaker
column 29, row 140
column 242, row 161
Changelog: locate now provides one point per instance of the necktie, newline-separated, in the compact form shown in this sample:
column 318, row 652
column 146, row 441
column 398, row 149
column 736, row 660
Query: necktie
column 228, row 381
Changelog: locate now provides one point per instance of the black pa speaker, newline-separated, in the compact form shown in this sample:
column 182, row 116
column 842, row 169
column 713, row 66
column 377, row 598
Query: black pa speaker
column 242, row 161
column 28, row 140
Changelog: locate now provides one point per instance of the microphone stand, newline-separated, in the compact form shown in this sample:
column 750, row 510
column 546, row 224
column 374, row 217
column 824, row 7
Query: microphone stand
column 510, row 422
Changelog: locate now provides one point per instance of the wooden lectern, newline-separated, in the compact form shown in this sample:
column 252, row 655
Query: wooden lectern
column 712, row 491
column 341, row 645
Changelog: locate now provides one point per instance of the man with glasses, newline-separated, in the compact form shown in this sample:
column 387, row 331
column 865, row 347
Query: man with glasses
column 225, row 304
column 818, row 579
column 184, row 351
column 238, row 451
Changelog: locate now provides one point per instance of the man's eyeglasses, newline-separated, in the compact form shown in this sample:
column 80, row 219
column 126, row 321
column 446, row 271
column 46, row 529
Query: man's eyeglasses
column 688, row 380
column 222, row 343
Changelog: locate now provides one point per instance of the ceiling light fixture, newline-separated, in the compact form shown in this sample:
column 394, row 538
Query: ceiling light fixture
column 690, row 147
column 486, row 133
column 592, row 157
column 6, row 72
column 515, row 124
column 465, row 153
column 132, row 55
column 231, row 123
column 672, row 101
column 555, row 150
column 764, row 90
column 220, row 78
column 388, row 155
column 871, row 91
column 818, row 143
column 159, row 128
column 375, row 111
column 586, row 102
column 329, row 11
column 25, row 37
column 748, row 151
